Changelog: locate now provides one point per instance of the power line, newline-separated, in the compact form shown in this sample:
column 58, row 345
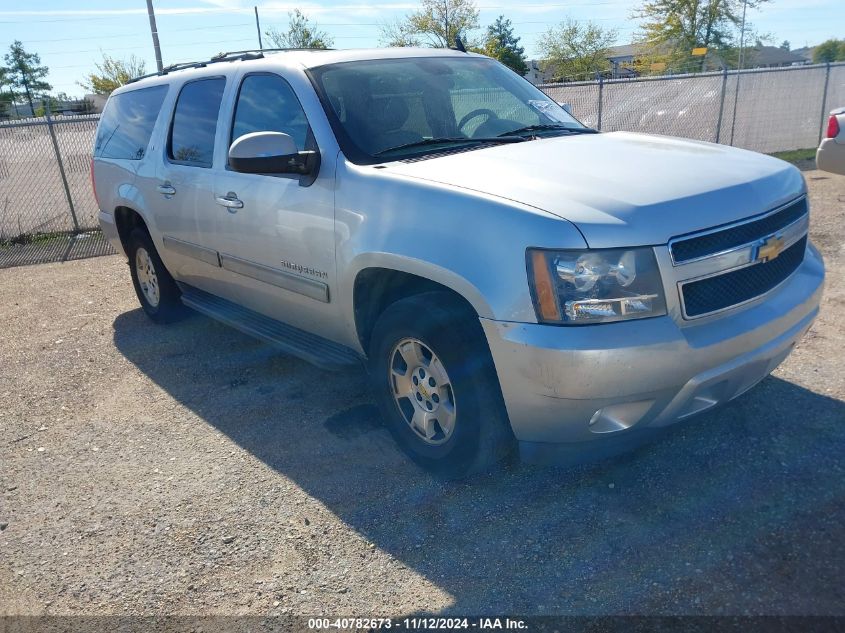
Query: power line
column 246, row 10
column 223, row 42
column 119, row 35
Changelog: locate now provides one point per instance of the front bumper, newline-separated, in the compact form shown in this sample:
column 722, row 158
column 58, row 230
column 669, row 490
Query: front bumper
column 588, row 384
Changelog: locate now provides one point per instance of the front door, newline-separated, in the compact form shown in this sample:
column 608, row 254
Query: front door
column 275, row 233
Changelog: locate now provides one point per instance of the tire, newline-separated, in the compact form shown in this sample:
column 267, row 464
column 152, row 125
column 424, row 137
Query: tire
column 475, row 434
column 157, row 291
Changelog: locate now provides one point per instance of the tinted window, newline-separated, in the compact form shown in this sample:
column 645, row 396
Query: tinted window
column 127, row 123
column 195, row 122
column 379, row 107
column 266, row 103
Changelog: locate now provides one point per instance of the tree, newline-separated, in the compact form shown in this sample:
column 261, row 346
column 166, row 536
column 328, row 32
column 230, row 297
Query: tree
column 573, row 50
column 785, row 45
column 7, row 96
column 398, row 34
column 503, row 45
column 673, row 28
column 829, row 51
column 301, row 33
column 26, row 72
column 112, row 73
column 436, row 23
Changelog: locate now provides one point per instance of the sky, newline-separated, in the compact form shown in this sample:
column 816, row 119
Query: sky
column 69, row 35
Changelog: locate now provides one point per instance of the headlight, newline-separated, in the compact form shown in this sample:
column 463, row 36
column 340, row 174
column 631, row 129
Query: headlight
column 595, row 286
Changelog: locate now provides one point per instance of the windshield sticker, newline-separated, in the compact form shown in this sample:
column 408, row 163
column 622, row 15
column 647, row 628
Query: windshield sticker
column 549, row 110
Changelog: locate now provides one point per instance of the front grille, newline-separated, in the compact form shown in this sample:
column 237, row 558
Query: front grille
column 684, row 250
column 723, row 291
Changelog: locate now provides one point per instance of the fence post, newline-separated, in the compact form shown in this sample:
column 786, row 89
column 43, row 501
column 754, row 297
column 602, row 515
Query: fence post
column 736, row 104
column 61, row 165
column 824, row 103
column 601, row 93
column 722, row 102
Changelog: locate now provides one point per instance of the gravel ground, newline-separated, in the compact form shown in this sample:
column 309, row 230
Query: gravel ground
column 191, row 470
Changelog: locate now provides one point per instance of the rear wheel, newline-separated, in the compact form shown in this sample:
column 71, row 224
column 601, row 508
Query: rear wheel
column 157, row 291
column 436, row 386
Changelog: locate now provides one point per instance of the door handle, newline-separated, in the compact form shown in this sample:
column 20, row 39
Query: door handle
column 166, row 189
column 230, row 201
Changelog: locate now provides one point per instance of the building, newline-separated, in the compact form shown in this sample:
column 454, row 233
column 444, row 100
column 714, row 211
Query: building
column 624, row 58
column 805, row 53
column 96, row 101
column 773, row 57
column 536, row 75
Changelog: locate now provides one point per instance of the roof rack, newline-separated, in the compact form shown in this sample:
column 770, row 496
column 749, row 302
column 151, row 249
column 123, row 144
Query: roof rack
column 260, row 51
column 228, row 56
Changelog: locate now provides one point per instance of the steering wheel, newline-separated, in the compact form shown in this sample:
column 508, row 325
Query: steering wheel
column 476, row 113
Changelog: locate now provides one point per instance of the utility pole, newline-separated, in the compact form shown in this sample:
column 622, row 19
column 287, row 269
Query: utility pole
column 258, row 28
column 154, row 31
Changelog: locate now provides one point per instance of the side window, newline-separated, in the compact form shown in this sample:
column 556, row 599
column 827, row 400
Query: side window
column 195, row 122
column 127, row 123
column 266, row 103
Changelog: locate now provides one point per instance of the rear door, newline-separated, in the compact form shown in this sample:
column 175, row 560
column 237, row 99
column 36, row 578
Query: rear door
column 276, row 231
column 184, row 179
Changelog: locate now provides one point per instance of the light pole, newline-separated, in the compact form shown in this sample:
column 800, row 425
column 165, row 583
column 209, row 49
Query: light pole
column 154, row 31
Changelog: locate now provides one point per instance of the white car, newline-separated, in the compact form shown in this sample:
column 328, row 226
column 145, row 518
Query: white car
column 831, row 153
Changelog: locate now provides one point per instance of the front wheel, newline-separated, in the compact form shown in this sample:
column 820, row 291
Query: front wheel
column 436, row 386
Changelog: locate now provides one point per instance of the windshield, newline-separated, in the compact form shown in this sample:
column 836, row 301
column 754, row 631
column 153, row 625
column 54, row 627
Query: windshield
column 395, row 108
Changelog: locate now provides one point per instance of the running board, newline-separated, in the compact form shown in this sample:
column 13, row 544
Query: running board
column 309, row 347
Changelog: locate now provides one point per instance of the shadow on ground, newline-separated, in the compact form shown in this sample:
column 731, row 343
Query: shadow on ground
column 740, row 511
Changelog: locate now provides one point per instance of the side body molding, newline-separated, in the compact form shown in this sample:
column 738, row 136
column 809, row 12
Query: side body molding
column 189, row 249
column 280, row 278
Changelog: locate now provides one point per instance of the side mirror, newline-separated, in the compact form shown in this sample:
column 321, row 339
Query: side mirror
column 270, row 153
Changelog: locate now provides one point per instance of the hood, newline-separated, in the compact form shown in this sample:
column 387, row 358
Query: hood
column 620, row 188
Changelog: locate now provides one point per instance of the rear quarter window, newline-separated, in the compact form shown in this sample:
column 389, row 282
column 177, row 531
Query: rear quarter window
column 127, row 123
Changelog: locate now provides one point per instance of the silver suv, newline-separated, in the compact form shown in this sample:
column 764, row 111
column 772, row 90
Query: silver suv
column 508, row 275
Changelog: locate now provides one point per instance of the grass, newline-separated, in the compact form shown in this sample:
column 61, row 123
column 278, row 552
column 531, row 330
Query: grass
column 797, row 155
column 34, row 238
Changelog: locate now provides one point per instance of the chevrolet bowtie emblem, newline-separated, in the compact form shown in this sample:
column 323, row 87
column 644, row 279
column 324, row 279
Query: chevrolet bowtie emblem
column 769, row 249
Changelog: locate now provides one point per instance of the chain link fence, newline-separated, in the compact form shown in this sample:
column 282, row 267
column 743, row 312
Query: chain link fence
column 765, row 110
column 47, row 207
column 48, row 211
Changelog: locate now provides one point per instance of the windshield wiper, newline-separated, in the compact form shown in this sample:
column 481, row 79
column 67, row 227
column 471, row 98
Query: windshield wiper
column 446, row 140
column 550, row 127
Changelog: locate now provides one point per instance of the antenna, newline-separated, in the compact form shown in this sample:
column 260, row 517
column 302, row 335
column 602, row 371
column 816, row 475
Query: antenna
column 459, row 44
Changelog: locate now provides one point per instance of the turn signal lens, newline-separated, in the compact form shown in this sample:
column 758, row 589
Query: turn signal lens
column 544, row 292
